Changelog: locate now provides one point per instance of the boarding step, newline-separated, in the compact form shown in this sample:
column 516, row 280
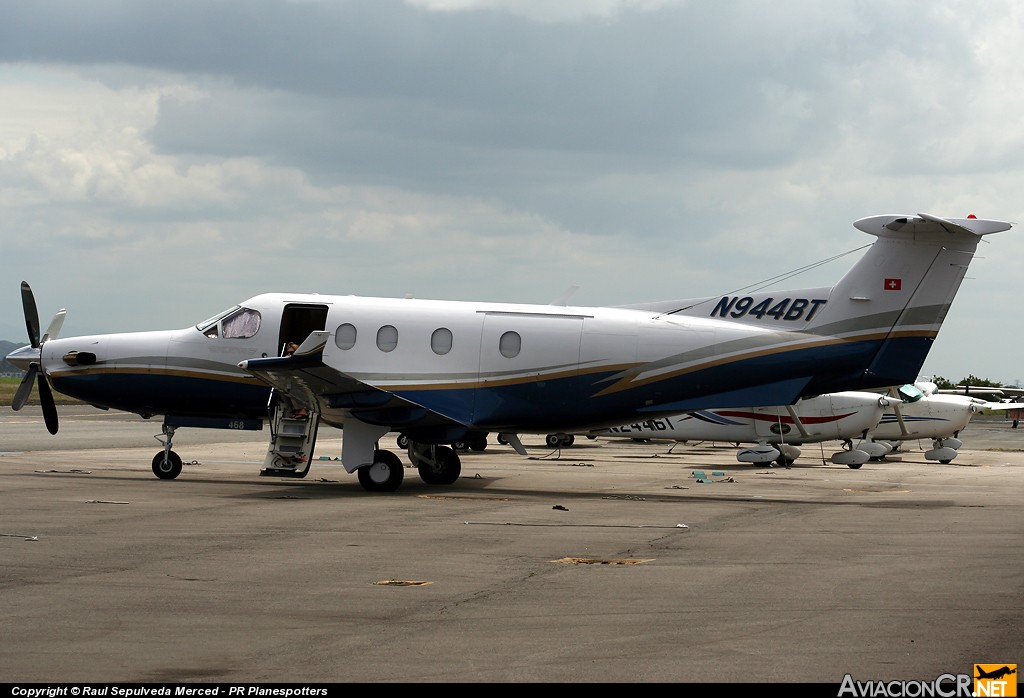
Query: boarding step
column 290, row 451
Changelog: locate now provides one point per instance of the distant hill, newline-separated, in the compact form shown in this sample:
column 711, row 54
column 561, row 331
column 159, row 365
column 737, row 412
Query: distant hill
column 5, row 366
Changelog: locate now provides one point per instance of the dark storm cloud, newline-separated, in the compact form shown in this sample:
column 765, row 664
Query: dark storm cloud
column 681, row 81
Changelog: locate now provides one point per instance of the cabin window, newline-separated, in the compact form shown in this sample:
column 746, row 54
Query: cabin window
column 345, row 336
column 387, row 338
column 510, row 345
column 441, row 341
column 243, row 324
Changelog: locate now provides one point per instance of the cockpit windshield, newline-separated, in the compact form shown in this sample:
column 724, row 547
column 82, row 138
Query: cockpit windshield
column 233, row 323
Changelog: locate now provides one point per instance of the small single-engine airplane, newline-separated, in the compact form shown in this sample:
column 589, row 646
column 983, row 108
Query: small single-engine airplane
column 447, row 371
column 777, row 431
column 935, row 416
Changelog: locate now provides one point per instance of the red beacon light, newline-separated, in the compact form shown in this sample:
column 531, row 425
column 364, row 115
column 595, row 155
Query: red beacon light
column 971, row 215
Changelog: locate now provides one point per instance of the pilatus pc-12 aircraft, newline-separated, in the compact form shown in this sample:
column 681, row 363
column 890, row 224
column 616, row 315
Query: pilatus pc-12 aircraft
column 445, row 371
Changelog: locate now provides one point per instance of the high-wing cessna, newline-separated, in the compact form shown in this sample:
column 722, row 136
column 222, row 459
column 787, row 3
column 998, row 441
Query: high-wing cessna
column 939, row 417
column 446, row 371
column 777, row 431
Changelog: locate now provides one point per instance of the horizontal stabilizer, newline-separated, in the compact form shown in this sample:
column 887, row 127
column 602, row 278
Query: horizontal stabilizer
column 926, row 224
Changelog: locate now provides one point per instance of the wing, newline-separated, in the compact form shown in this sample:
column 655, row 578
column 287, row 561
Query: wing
column 338, row 396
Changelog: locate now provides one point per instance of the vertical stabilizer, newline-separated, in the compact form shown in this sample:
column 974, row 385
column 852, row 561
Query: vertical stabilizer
column 899, row 293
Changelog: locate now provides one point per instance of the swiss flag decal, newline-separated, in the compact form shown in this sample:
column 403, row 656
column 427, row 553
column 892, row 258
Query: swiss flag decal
column 893, row 284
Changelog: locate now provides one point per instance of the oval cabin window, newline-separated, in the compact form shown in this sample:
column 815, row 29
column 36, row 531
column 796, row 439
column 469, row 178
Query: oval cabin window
column 345, row 336
column 441, row 341
column 510, row 344
column 387, row 338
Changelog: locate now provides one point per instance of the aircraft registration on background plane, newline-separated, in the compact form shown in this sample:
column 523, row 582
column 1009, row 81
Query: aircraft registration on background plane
column 447, row 371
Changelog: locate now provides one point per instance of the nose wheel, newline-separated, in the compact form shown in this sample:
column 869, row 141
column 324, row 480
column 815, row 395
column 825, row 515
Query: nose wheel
column 166, row 463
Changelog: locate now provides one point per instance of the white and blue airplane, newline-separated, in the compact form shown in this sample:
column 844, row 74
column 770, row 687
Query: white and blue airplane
column 447, row 371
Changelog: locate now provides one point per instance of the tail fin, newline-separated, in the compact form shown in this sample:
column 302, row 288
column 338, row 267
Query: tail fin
column 875, row 327
column 899, row 293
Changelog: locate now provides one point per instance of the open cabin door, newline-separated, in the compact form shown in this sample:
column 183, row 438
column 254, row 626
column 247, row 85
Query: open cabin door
column 298, row 320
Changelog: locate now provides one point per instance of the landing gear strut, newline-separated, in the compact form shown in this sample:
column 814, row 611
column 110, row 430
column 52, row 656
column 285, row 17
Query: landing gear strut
column 167, row 463
column 437, row 465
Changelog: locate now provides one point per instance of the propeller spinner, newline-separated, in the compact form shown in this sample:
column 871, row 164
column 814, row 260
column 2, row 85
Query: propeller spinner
column 34, row 373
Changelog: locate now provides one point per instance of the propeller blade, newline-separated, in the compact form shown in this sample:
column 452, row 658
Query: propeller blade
column 49, row 406
column 25, row 389
column 55, row 324
column 28, row 302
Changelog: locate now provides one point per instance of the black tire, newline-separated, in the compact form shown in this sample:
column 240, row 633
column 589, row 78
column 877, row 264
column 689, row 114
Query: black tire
column 479, row 444
column 384, row 475
column 461, row 446
column 502, row 440
column 167, row 469
column 568, row 440
column 553, row 440
column 403, row 441
column 443, row 469
column 945, row 462
column 855, row 466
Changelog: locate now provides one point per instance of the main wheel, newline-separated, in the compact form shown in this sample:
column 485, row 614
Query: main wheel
column 479, row 444
column 854, row 466
column 441, row 468
column 385, row 474
column 553, row 440
column 167, row 468
column 403, row 441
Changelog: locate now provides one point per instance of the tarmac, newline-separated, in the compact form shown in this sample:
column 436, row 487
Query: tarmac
column 606, row 562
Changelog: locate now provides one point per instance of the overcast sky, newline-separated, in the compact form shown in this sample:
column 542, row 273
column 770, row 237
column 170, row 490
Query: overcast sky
column 160, row 162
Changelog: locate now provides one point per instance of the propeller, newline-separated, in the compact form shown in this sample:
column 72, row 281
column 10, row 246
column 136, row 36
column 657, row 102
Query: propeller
column 35, row 374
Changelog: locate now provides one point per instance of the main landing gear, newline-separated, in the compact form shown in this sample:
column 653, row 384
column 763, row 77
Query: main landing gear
column 436, row 464
column 385, row 474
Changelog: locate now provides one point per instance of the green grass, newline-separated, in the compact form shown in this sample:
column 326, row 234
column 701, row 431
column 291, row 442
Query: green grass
column 8, row 386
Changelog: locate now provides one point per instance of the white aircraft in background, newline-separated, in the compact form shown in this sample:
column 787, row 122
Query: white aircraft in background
column 447, row 371
column 936, row 416
column 777, row 431
column 1002, row 392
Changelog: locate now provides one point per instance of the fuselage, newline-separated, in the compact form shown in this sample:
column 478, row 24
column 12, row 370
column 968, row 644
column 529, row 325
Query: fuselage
column 502, row 367
column 931, row 417
column 492, row 366
column 836, row 416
